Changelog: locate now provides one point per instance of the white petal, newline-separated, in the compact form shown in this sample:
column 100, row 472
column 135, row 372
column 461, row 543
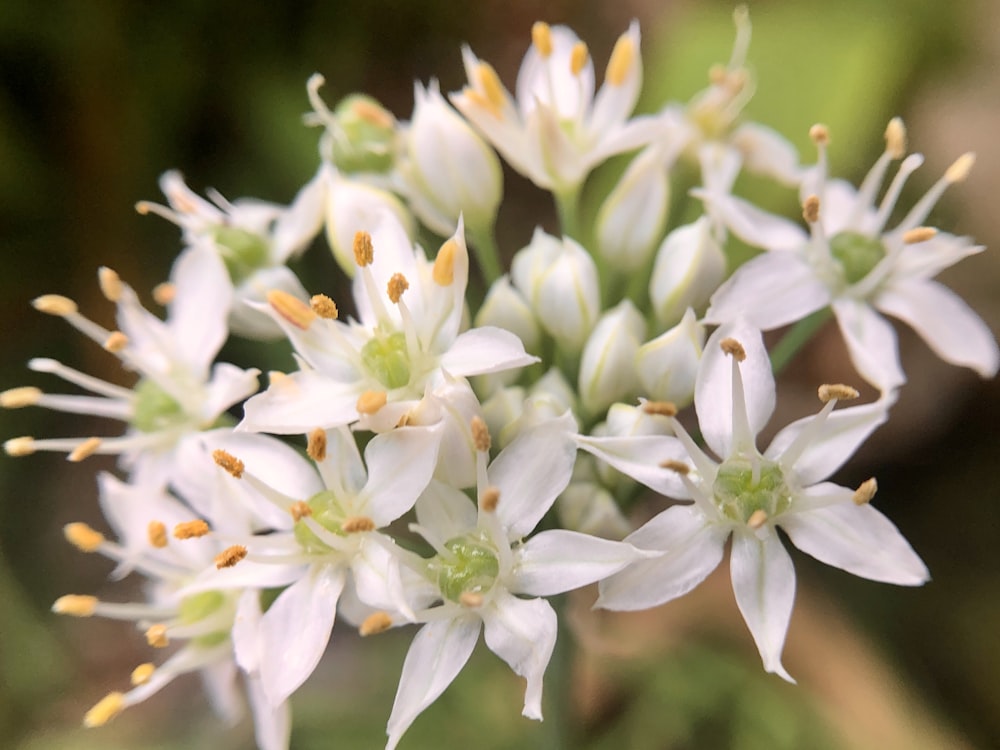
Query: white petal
column 753, row 226
column 301, row 221
column 925, row 260
column 640, row 456
column 871, row 342
column 400, row 465
column 229, row 385
column 246, row 631
column 944, row 321
column 342, row 470
column 377, row 579
column 484, row 350
column 556, row 561
column 858, row 539
column 764, row 584
column 767, row 152
column 272, row 724
column 522, row 632
column 218, row 680
column 197, row 314
column 299, row 403
column 445, row 511
column 436, row 656
column 692, row 549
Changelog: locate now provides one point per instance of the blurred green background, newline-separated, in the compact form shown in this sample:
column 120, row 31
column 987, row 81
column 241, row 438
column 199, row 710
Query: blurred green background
column 98, row 98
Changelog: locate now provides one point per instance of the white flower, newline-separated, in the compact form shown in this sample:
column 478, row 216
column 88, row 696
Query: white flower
column 852, row 263
column 689, row 266
column 748, row 494
column 667, row 366
column 607, row 366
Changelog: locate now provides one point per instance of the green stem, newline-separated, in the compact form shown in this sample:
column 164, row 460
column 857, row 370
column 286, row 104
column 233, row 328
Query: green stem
column 559, row 683
column 568, row 206
column 796, row 338
column 484, row 247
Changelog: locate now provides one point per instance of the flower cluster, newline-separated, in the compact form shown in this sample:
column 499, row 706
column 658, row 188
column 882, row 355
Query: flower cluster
column 435, row 463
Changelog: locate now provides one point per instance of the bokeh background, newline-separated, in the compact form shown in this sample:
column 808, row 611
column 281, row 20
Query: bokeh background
column 98, row 98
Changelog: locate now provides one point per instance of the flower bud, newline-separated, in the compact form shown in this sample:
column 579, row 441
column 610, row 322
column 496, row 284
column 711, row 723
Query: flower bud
column 505, row 307
column 448, row 170
column 559, row 279
column 502, row 409
column 667, row 365
column 550, row 397
column 625, row 420
column 364, row 137
column 590, row 509
column 607, row 368
column 689, row 267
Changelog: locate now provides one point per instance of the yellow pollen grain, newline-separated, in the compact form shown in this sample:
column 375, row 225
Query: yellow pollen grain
column 621, row 60
column 541, row 38
column 865, row 492
column 19, row 446
column 578, row 57
column 355, row 524
column 678, row 466
column 660, row 408
column 156, row 636
column 291, row 308
column 918, row 234
column 810, row 209
column 230, row 556
column 372, row 113
column 143, row 208
column 490, row 499
column 370, row 402
column 104, row 710
column 375, row 623
column 757, row 519
column 480, row 434
column 443, row 272
column 961, row 168
column 717, row 74
column 115, row 342
column 54, row 304
column 141, row 674
column 17, row 398
column 819, row 134
column 81, row 536
column 492, row 89
column 895, row 138
column 471, row 599
column 733, row 348
column 110, row 283
column 316, row 447
column 839, row 391
column 86, row 449
column 300, row 509
column 156, row 533
column 163, row 294
column 191, row 529
column 364, row 251
column 396, row 286
column 76, row 605
column 229, row 462
column 323, row 306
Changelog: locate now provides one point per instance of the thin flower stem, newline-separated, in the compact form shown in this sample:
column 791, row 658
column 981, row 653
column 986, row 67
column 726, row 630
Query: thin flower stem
column 568, row 206
column 559, row 683
column 484, row 247
column 796, row 338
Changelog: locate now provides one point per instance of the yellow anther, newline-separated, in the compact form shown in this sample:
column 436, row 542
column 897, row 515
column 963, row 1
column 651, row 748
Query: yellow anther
column 865, row 492
column 143, row 208
column 354, row 524
column 230, row 556
column 444, row 264
column 622, row 57
column 839, row 391
column 156, row 533
column 16, row 398
column 323, row 306
column 86, row 449
column 364, row 251
column 757, row 519
column 810, row 209
column 105, row 710
column 918, row 234
column 659, row 408
column 471, row 599
column 81, row 536
column 677, row 466
column 895, row 138
column 489, row 84
column 480, row 434
column 541, row 38
column 156, row 636
column 717, row 74
column 115, row 342
column 372, row 113
column 375, row 623
column 819, row 134
column 163, row 294
column 396, row 286
column 370, row 402
column 578, row 57
column 54, row 304
column 316, row 447
column 142, row 673
column 291, row 308
column 960, row 169
column 191, row 529
column 733, row 348
column 110, row 283
column 229, row 462
column 76, row 605
column 300, row 509
column 19, row 446
column 489, row 500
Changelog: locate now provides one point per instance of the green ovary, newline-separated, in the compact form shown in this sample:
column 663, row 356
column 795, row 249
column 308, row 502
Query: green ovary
column 328, row 513
column 738, row 496
column 387, row 359
column 243, row 252
column 197, row 607
column 155, row 409
column 472, row 567
column 856, row 253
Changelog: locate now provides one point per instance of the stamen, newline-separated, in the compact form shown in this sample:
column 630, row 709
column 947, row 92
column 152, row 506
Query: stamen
column 323, row 306
column 621, row 60
column 17, row 398
column 895, row 138
column 757, row 519
column 397, row 285
column 316, row 447
column 370, row 402
column 104, row 710
column 489, row 82
column 958, row 171
column 839, row 391
column 84, row 450
column 163, row 294
column 110, row 283
column 115, row 342
column 191, row 529
column 810, row 209
column 81, row 536
column 865, row 492
column 230, row 556
column 156, row 533
column 733, row 348
column 229, row 462
column 480, row 435
column 300, row 509
column 471, row 599
column 141, row 674
column 54, row 304
column 75, row 605
column 819, row 134
column 156, row 636
column 541, row 38
column 911, row 237
column 489, row 500
column 354, row 524
column 375, row 623
column 660, row 408
column 19, row 446
column 364, row 251
column 444, row 264
column 578, row 57
column 678, row 466
column 291, row 308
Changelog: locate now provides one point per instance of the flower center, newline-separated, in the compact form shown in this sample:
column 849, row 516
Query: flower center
column 856, row 253
column 243, row 252
column 155, row 409
column 328, row 513
column 196, row 608
column 739, row 496
column 472, row 567
column 387, row 359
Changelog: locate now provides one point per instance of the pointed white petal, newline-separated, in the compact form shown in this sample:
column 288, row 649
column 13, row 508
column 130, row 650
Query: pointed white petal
column 246, row 631
column 272, row 724
column 299, row 403
column 640, row 456
column 556, row 561
column 197, row 314
column 767, row 152
column 925, row 260
column 753, row 226
column 400, row 465
column 445, row 511
column 218, row 680
column 484, row 350
column 229, row 385
column 871, row 342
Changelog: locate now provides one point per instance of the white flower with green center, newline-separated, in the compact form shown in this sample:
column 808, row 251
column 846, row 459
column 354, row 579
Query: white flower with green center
column 747, row 494
column 482, row 568
column 179, row 392
column 407, row 337
column 850, row 261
